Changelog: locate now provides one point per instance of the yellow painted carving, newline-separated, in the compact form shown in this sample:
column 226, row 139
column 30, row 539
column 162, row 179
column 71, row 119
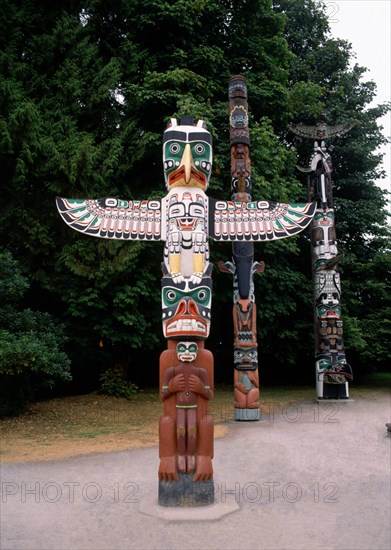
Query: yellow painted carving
column 198, row 262
column 175, row 263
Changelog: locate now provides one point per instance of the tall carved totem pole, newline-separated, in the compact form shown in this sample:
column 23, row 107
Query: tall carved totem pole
column 243, row 267
column 332, row 371
column 185, row 219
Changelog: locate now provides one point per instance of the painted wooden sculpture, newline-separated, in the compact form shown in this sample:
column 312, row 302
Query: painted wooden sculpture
column 185, row 219
column 242, row 266
column 332, row 371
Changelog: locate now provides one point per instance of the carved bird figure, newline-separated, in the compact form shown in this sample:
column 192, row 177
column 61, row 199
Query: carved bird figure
column 186, row 217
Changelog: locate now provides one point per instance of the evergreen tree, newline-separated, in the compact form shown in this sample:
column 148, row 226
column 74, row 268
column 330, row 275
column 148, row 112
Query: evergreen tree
column 86, row 89
column 30, row 343
column 326, row 83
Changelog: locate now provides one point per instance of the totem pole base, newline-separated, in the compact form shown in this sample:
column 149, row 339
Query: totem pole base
column 185, row 492
column 332, row 391
column 247, row 415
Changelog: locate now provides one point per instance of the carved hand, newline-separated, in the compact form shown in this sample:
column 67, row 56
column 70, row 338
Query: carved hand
column 196, row 278
column 253, row 377
column 241, row 387
column 177, row 383
column 177, row 278
column 196, row 385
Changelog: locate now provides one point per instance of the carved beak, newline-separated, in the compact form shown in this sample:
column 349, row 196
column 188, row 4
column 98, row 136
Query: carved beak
column 187, row 162
column 187, row 173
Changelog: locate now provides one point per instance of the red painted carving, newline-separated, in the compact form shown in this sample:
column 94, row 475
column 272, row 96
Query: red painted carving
column 186, row 428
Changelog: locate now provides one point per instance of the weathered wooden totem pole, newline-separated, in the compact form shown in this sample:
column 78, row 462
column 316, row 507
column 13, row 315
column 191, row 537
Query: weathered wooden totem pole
column 332, row 371
column 242, row 266
column 185, row 218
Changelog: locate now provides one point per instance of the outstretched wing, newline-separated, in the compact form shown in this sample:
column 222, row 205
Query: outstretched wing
column 113, row 218
column 257, row 220
column 320, row 131
column 304, row 130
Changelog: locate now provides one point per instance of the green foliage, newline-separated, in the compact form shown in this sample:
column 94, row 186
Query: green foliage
column 86, row 89
column 12, row 283
column 378, row 379
column 30, row 342
column 31, row 349
column 272, row 173
column 111, row 383
column 326, row 82
column 368, row 296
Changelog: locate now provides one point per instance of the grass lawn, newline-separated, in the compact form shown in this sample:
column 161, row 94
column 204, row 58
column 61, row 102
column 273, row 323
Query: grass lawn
column 82, row 424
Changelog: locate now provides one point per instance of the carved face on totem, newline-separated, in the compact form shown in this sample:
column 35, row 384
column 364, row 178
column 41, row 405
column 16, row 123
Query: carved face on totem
column 323, row 235
column 244, row 314
column 327, row 287
column 240, row 172
column 331, row 326
column 238, row 115
column 245, row 359
column 187, row 212
column 328, row 311
column 187, row 154
column 186, row 308
column 333, row 368
column 186, row 351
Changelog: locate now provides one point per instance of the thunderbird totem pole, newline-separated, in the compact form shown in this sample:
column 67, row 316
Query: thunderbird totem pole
column 185, row 218
column 332, row 371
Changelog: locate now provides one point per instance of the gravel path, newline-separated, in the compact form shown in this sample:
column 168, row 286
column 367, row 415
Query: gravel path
column 310, row 476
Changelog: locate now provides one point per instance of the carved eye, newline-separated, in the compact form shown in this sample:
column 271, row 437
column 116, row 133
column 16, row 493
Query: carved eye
column 199, row 148
column 171, row 295
column 197, row 209
column 202, row 295
column 174, row 148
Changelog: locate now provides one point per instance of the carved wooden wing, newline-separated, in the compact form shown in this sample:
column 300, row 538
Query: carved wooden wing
column 113, row 218
column 320, row 131
column 257, row 220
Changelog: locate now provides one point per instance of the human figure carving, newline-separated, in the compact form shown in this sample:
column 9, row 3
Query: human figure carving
column 186, row 381
column 246, row 380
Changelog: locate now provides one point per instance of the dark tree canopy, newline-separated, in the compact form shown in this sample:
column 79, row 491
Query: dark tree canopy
column 86, row 89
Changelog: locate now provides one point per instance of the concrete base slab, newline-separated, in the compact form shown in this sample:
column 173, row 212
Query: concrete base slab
column 247, row 415
column 150, row 507
column 325, row 400
column 185, row 492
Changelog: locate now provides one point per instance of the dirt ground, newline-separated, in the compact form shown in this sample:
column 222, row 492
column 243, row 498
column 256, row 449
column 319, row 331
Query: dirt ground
column 84, row 424
column 93, row 423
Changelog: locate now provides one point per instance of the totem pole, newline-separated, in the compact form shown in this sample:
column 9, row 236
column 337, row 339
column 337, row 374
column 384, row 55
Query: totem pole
column 332, row 371
column 242, row 267
column 185, row 218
